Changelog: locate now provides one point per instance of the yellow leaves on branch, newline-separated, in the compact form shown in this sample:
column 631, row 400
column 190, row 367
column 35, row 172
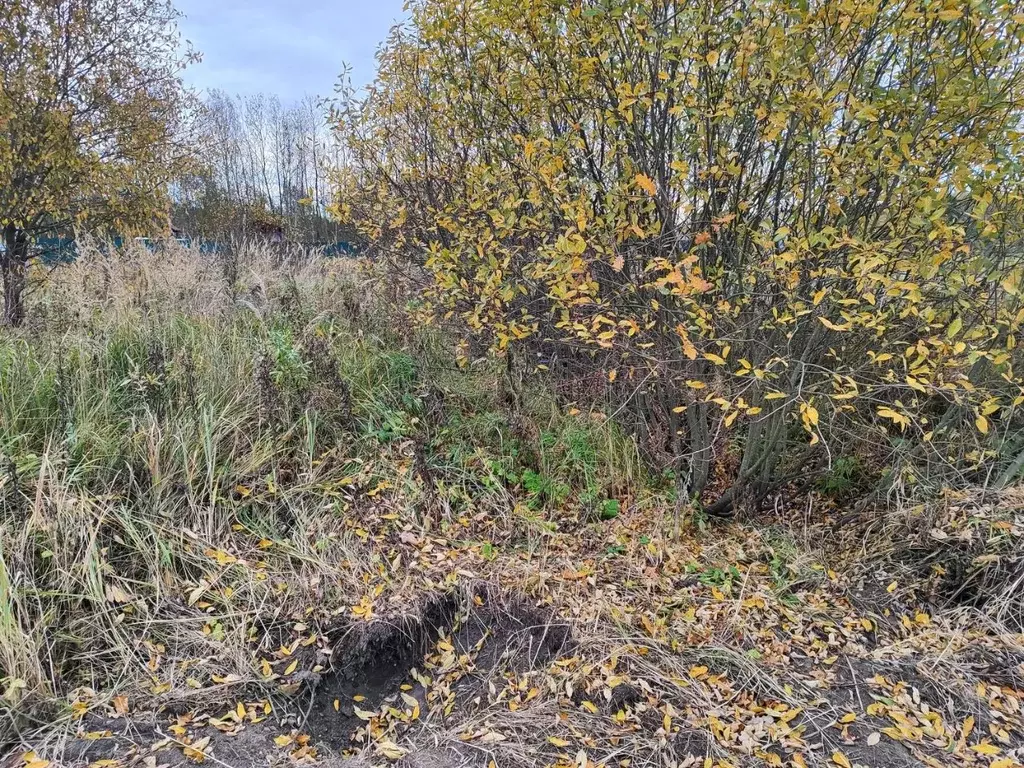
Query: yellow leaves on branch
column 900, row 419
column 833, row 326
column 689, row 350
column 809, row 416
column 562, row 244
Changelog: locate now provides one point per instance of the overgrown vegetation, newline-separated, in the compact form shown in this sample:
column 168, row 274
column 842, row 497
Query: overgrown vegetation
column 225, row 483
column 673, row 418
column 786, row 231
column 155, row 412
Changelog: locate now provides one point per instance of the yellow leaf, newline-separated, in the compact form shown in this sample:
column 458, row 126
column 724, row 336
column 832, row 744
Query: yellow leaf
column 195, row 751
column 811, row 415
column 892, row 587
column 986, row 749
column 291, row 667
column 283, row 740
column 832, row 326
column 391, row 750
column 694, row 384
column 650, row 626
column 982, row 424
column 710, row 356
column 848, row 718
column 915, row 384
column 888, row 413
column 646, row 184
column 698, row 671
column 557, row 741
column 363, row 714
column 840, row 759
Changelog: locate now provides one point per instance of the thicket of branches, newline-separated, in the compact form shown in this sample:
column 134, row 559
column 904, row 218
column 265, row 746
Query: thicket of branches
column 265, row 166
column 781, row 230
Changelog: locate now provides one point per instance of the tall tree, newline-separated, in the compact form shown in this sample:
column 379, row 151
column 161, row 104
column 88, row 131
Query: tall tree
column 262, row 156
column 92, row 122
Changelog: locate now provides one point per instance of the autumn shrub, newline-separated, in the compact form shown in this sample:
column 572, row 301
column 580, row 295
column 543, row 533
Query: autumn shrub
column 783, row 229
column 98, row 125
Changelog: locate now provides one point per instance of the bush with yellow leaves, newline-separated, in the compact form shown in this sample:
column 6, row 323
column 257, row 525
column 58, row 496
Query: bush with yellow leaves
column 787, row 226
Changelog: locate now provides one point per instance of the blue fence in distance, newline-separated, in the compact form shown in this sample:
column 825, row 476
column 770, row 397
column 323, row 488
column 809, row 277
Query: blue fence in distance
column 57, row 250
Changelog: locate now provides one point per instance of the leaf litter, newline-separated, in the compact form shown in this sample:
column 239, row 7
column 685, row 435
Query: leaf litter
column 616, row 643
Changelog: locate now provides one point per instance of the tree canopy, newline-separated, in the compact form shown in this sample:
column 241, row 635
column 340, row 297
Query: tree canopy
column 92, row 121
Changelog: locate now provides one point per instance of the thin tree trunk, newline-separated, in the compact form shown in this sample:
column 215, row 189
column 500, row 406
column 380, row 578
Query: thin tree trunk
column 701, row 453
column 13, row 270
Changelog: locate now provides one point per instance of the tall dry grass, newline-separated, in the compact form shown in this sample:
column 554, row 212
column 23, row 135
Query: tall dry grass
column 145, row 413
column 186, row 440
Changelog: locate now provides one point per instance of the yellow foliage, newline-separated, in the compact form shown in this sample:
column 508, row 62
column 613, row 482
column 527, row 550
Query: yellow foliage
column 842, row 220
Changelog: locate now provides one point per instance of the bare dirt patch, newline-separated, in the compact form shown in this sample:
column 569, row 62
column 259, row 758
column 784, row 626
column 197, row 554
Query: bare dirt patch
column 344, row 690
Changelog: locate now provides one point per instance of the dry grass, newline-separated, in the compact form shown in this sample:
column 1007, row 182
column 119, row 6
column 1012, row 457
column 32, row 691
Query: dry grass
column 128, row 424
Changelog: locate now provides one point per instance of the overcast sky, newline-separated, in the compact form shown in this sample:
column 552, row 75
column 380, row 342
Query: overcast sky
column 289, row 48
